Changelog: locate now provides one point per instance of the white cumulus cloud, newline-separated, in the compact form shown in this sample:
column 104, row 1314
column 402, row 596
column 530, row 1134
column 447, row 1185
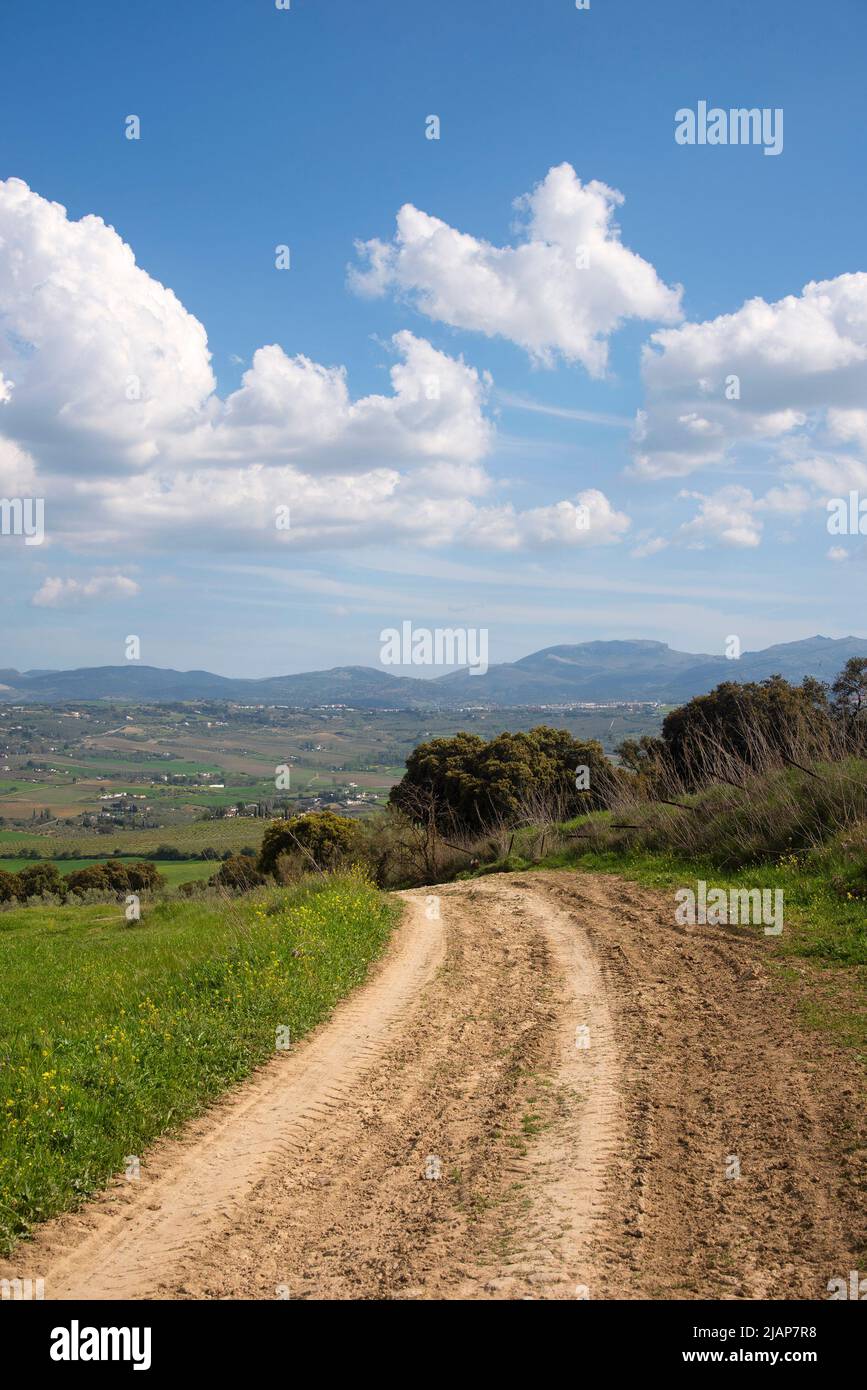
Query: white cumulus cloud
column 561, row 291
column 109, row 410
column 764, row 374
column 104, row 358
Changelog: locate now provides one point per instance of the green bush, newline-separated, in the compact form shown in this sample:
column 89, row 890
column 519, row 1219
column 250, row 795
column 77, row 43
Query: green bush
column 115, row 877
column 466, row 784
column 239, row 872
column 37, row 879
column 91, row 879
column 781, row 812
column 10, row 886
column 323, row 839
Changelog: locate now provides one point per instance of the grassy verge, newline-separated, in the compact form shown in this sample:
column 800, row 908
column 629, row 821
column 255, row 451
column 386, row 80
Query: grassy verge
column 113, row 1034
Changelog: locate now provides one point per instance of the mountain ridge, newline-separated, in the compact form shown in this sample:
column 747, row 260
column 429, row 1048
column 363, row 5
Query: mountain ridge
column 636, row 669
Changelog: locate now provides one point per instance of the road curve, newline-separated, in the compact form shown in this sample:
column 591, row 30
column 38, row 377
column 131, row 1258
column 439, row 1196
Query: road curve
column 538, row 1093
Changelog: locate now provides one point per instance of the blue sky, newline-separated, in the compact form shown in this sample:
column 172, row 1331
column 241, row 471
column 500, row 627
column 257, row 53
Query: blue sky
column 306, row 127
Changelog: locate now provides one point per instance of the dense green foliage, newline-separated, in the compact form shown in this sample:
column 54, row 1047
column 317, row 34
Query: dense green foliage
column 742, row 728
column 112, row 878
column 322, row 838
column 466, row 783
column 238, row 872
column 849, row 701
column 116, row 877
column 746, row 724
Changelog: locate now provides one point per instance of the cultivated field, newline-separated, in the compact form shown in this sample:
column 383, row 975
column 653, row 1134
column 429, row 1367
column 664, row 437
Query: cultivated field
column 96, row 779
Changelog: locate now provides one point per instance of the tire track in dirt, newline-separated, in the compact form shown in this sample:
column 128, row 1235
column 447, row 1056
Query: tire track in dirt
column 576, row 1065
column 718, row 1065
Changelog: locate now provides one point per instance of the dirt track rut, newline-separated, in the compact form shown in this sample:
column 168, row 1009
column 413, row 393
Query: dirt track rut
column 578, row 1070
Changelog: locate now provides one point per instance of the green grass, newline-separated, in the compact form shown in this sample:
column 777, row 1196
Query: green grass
column 803, row 832
column 144, row 767
column 823, row 920
column 822, row 952
column 113, row 1034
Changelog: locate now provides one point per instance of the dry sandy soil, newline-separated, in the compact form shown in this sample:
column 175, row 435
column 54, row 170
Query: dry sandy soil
column 577, row 1069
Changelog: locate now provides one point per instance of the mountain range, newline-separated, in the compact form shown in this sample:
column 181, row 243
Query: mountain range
column 585, row 671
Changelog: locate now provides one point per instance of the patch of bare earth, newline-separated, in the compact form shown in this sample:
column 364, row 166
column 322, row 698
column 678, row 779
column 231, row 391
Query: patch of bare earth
column 536, row 1095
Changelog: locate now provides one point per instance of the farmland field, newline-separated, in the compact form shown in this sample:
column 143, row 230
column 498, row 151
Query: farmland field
column 121, row 779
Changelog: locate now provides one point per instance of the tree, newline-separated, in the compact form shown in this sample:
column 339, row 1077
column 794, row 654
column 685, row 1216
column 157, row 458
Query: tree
column 849, row 699
column 239, row 872
column 475, row 784
column 83, row 880
column 646, row 759
column 143, row 877
column 40, row 878
column 117, row 876
column 322, row 838
column 10, row 886
column 750, row 725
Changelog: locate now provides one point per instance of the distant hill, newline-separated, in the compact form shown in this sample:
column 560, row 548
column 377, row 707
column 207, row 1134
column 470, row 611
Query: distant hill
column 587, row 671
column 642, row 670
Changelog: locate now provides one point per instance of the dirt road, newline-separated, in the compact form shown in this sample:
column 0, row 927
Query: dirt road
column 538, row 1094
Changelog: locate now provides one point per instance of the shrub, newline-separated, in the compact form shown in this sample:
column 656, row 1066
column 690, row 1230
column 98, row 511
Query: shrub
column 37, row 879
column 91, row 879
column 117, row 876
column 776, row 813
column 239, row 872
column 10, row 886
column 193, row 888
column 144, row 877
column 324, row 839
column 749, row 726
column 467, row 784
